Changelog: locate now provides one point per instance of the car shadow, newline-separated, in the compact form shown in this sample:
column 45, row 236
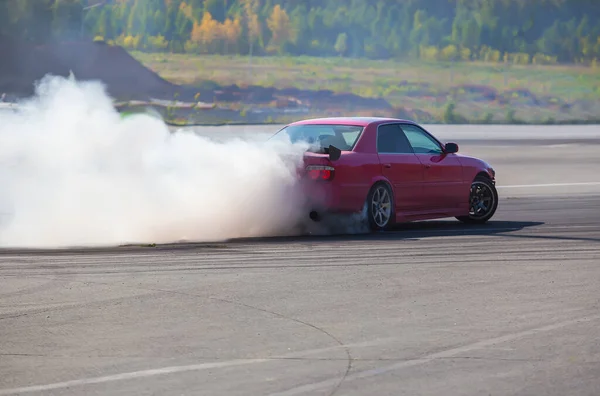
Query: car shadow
column 406, row 231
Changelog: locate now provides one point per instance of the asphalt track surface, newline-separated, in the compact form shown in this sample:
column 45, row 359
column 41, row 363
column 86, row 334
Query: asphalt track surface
column 432, row 308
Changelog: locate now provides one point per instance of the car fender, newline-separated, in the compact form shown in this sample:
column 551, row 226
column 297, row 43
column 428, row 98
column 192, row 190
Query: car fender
column 475, row 166
column 380, row 178
column 356, row 204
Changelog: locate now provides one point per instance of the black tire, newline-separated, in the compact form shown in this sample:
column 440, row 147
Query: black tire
column 378, row 209
column 482, row 190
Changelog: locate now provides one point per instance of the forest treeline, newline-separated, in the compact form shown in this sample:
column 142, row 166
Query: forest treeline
column 516, row 31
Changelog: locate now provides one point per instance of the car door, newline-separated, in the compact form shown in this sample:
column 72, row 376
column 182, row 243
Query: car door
column 443, row 185
column 401, row 167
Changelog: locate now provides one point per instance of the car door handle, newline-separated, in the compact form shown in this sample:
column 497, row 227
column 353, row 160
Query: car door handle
column 387, row 165
column 427, row 166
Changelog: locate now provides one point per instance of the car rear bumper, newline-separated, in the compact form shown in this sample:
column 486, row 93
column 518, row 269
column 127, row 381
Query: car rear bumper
column 322, row 196
column 329, row 197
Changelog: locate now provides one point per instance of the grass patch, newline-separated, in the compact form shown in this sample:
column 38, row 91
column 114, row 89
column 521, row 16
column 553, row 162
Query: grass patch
column 372, row 78
column 428, row 86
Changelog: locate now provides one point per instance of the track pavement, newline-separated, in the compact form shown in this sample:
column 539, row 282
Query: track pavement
column 509, row 308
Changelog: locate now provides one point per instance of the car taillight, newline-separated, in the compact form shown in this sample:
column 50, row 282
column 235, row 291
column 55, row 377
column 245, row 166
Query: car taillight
column 320, row 172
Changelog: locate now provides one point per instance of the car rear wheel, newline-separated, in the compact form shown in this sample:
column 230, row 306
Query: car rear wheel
column 380, row 207
column 483, row 201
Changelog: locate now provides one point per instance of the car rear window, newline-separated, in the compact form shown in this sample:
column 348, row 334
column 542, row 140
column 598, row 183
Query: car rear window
column 343, row 137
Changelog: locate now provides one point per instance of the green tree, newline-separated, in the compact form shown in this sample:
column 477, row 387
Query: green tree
column 341, row 44
column 372, row 28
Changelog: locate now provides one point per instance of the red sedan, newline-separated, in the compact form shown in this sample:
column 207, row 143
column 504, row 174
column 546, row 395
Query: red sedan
column 393, row 168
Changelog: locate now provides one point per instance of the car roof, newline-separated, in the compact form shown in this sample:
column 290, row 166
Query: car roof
column 360, row 121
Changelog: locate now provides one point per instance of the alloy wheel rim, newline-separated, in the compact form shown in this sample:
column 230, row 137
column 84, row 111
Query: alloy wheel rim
column 481, row 200
column 381, row 206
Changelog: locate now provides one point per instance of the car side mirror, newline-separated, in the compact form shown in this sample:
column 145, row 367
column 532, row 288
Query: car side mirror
column 451, row 148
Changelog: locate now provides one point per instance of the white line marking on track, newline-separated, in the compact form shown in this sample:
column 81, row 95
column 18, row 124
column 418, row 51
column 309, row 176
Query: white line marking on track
column 428, row 358
column 552, row 185
column 124, row 376
column 181, row 369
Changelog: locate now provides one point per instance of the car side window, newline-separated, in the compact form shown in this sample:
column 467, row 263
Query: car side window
column 351, row 137
column 391, row 140
column 420, row 141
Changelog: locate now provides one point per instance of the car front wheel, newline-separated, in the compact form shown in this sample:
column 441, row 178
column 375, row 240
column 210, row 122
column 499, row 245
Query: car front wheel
column 483, row 201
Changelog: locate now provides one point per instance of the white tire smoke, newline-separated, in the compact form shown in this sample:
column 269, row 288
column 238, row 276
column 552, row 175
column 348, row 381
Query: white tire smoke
column 73, row 173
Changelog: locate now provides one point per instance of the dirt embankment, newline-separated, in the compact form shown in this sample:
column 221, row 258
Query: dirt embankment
column 22, row 64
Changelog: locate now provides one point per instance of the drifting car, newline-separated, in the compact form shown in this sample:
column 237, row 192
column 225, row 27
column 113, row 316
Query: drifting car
column 393, row 168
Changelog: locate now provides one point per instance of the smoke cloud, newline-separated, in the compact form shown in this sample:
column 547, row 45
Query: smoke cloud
column 74, row 173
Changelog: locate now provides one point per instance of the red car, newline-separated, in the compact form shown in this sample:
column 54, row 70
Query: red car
column 394, row 168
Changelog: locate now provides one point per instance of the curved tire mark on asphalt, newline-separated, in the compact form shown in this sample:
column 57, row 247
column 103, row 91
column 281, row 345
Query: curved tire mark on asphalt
column 279, row 315
column 444, row 354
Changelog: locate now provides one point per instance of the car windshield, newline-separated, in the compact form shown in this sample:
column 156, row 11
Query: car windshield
column 343, row 137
